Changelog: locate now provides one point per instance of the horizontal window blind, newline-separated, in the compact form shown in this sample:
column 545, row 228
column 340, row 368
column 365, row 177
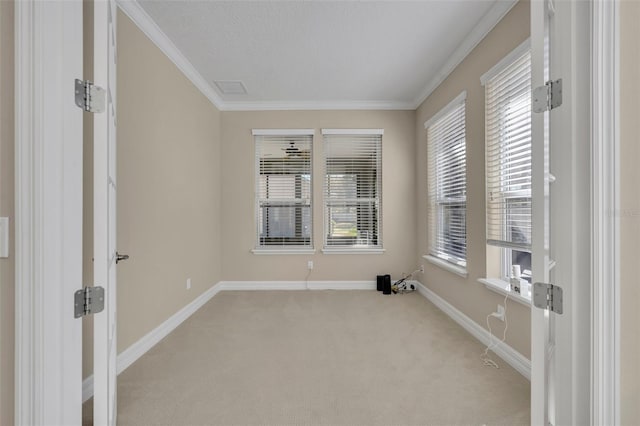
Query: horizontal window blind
column 447, row 186
column 283, row 191
column 508, row 155
column 352, row 190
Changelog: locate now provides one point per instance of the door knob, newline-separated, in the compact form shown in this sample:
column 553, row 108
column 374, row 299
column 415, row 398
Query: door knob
column 121, row 257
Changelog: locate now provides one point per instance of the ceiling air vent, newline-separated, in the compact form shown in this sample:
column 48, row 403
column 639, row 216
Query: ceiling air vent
column 231, row 87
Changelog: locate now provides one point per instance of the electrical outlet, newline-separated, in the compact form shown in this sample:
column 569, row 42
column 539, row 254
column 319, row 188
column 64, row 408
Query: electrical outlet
column 499, row 314
column 310, row 265
column 188, row 283
column 422, row 268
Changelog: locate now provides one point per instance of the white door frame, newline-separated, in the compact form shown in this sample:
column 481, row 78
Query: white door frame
column 605, row 208
column 48, row 213
column 570, row 222
column 539, row 216
column 587, row 372
column 104, row 215
column 48, row 146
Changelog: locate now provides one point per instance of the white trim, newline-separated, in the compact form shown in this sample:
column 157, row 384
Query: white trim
column 353, row 132
column 87, row 388
column 142, row 346
column 135, row 351
column 353, row 251
column 506, row 61
column 48, row 199
column 148, row 341
column 147, row 25
column 456, row 269
column 486, row 24
column 540, row 337
column 282, row 132
column 139, row 16
column 298, row 285
column 266, row 251
column 512, row 357
column 504, row 288
column 605, row 203
column 27, row 404
column 315, row 105
column 461, row 98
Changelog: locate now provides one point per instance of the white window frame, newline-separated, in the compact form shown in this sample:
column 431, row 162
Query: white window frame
column 506, row 250
column 455, row 264
column 283, row 249
column 358, row 247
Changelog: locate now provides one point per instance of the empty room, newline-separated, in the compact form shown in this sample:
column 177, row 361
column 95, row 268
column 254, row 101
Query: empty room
column 319, row 212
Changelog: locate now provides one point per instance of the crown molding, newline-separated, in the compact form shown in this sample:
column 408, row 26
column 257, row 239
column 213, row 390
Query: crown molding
column 486, row 24
column 141, row 18
column 315, row 105
column 147, row 25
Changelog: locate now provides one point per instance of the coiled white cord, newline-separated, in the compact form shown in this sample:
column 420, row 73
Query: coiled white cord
column 486, row 359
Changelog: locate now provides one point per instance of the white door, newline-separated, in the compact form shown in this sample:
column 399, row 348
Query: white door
column 560, row 240
column 542, row 336
column 104, row 221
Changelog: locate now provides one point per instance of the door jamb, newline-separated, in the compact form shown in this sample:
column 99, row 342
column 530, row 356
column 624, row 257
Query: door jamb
column 48, row 253
column 605, row 208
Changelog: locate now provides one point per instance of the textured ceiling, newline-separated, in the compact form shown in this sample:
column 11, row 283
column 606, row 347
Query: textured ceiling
column 319, row 52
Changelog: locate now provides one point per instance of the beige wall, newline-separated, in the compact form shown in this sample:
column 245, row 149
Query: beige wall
column 168, row 187
column 468, row 295
column 630, row 211
column 7, row 267
column 398, row 204
column 168, row 168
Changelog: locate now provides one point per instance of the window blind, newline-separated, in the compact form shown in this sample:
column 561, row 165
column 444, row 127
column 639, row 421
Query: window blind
column 508, row 154
column 352, row 189
column 283, row 190
column 447, row 185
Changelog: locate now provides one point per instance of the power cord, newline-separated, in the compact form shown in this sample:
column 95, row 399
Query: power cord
column 401, row 286
column 486, row 359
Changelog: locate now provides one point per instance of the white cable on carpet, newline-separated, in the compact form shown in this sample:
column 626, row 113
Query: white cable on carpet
column 485, row 355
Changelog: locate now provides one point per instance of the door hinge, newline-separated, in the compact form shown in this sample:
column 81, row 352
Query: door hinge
column 89, row 300
column 547, row 97
column 89, row 97
column 547, row 296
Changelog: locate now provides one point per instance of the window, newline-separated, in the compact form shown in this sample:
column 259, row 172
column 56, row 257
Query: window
column 447, row 186
column 508, row 158
column 352, row 189
column 283, row 189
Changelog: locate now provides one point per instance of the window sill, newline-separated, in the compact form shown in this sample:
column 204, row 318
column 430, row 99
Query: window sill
column 503, row 287
column 353, row 251
column 283, row 251
column 458, row 270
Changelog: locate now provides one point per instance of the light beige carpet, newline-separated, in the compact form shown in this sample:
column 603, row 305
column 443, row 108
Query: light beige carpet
column 319, row 358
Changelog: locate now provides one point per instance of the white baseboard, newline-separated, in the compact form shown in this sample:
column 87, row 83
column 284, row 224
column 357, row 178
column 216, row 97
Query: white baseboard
column 87, row 388
column 298, row 285
column 135, row 351
column 512, row 357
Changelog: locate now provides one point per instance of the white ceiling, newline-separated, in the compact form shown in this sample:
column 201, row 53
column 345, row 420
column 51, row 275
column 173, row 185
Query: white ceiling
column 318, row 54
